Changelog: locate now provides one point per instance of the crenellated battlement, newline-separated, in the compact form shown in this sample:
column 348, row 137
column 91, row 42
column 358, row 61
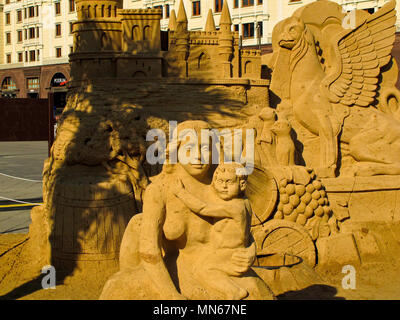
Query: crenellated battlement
column 140, row 11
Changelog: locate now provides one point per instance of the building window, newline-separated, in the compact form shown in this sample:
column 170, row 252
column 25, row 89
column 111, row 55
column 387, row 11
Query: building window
column 8, row 18
column 7, row 1
column 32, row 55
column 8, row 84
column 236, row 27
column 20, row 57
column 25, row 34
column 259, row 2
column 196, row 8
column 31, row 33
column 58, row 52
column 247, row 3
column 160, row 8
column 71, row 27
column 71, row 49
column 71, row 5
column 8, row 58
column 8, row 38
column 167, row 10
column 57, row 6
column 31, row 12
column 37, row 32
column 58, row 30
column 218, row 5
column 19, row 16
column 19, row 32
column 32, row 83
column 236, row 3
column 248, row 30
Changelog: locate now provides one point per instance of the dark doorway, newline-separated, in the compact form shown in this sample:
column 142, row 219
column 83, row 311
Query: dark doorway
column 58, row 86
column 33, row 95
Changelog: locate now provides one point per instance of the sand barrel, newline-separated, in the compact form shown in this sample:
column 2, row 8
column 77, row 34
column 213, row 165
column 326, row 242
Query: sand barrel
column 89, row 218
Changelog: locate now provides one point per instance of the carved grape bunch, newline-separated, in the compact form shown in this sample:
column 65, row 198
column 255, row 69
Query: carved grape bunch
column 300, row 203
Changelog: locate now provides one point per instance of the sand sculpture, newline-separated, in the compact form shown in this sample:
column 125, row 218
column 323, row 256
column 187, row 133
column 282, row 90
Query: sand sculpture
column 203, row 258
column 326, row 152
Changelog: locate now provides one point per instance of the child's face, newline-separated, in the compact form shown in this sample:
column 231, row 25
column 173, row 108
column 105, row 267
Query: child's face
column 227, row 185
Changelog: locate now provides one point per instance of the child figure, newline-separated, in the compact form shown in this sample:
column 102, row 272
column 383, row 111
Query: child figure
column 229, row 234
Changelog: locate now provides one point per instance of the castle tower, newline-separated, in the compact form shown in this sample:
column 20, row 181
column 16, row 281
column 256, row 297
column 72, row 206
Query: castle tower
column 225, row 40
column 182, row 38
column 97, row 38
column 97, row 28
column 141, row 31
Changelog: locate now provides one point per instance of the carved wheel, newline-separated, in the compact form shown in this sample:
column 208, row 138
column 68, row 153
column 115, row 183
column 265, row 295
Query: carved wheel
column 262, row 193
column 283, row 238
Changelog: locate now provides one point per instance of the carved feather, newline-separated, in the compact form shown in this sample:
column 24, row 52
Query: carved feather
column 361, row 53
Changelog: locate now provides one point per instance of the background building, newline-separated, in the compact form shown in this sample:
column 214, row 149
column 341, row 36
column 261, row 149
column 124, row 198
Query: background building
column 252, row 18
column 35, row 42
column 36, row 36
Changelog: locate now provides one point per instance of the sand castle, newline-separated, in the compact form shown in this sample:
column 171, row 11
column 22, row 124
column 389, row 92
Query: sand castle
column 325, row 186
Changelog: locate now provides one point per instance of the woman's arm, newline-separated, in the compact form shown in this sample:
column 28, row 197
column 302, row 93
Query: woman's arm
column 150, row 242
column 202, row 208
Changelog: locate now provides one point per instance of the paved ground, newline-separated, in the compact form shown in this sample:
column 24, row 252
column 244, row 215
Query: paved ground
column 23, row 160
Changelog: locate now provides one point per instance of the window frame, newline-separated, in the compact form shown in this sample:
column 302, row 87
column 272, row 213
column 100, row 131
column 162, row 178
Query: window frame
column 8, row 38
column 218, row 4
column 58, row 28
column 57, row 8
column 19, row 16
column 167, row 11
column 32, row 53
column 71, row 6
column 196, row 5
column 248, row 3
column 31, row 33
column 20, row 36
column 7, row 18
column 244, row 27
column 31, row 12
column 58, row 52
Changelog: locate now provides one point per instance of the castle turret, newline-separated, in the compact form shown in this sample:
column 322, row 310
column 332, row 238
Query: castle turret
column 210, row 24
column 182, row 38
column 172, row 21
column 182, row 20
column 225, row 40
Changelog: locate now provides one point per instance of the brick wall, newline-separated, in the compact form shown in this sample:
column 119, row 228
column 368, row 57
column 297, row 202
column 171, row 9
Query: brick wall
column 24, row 120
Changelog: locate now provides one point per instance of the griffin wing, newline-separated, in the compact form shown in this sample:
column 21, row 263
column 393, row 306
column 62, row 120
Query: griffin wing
column 361, row 53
